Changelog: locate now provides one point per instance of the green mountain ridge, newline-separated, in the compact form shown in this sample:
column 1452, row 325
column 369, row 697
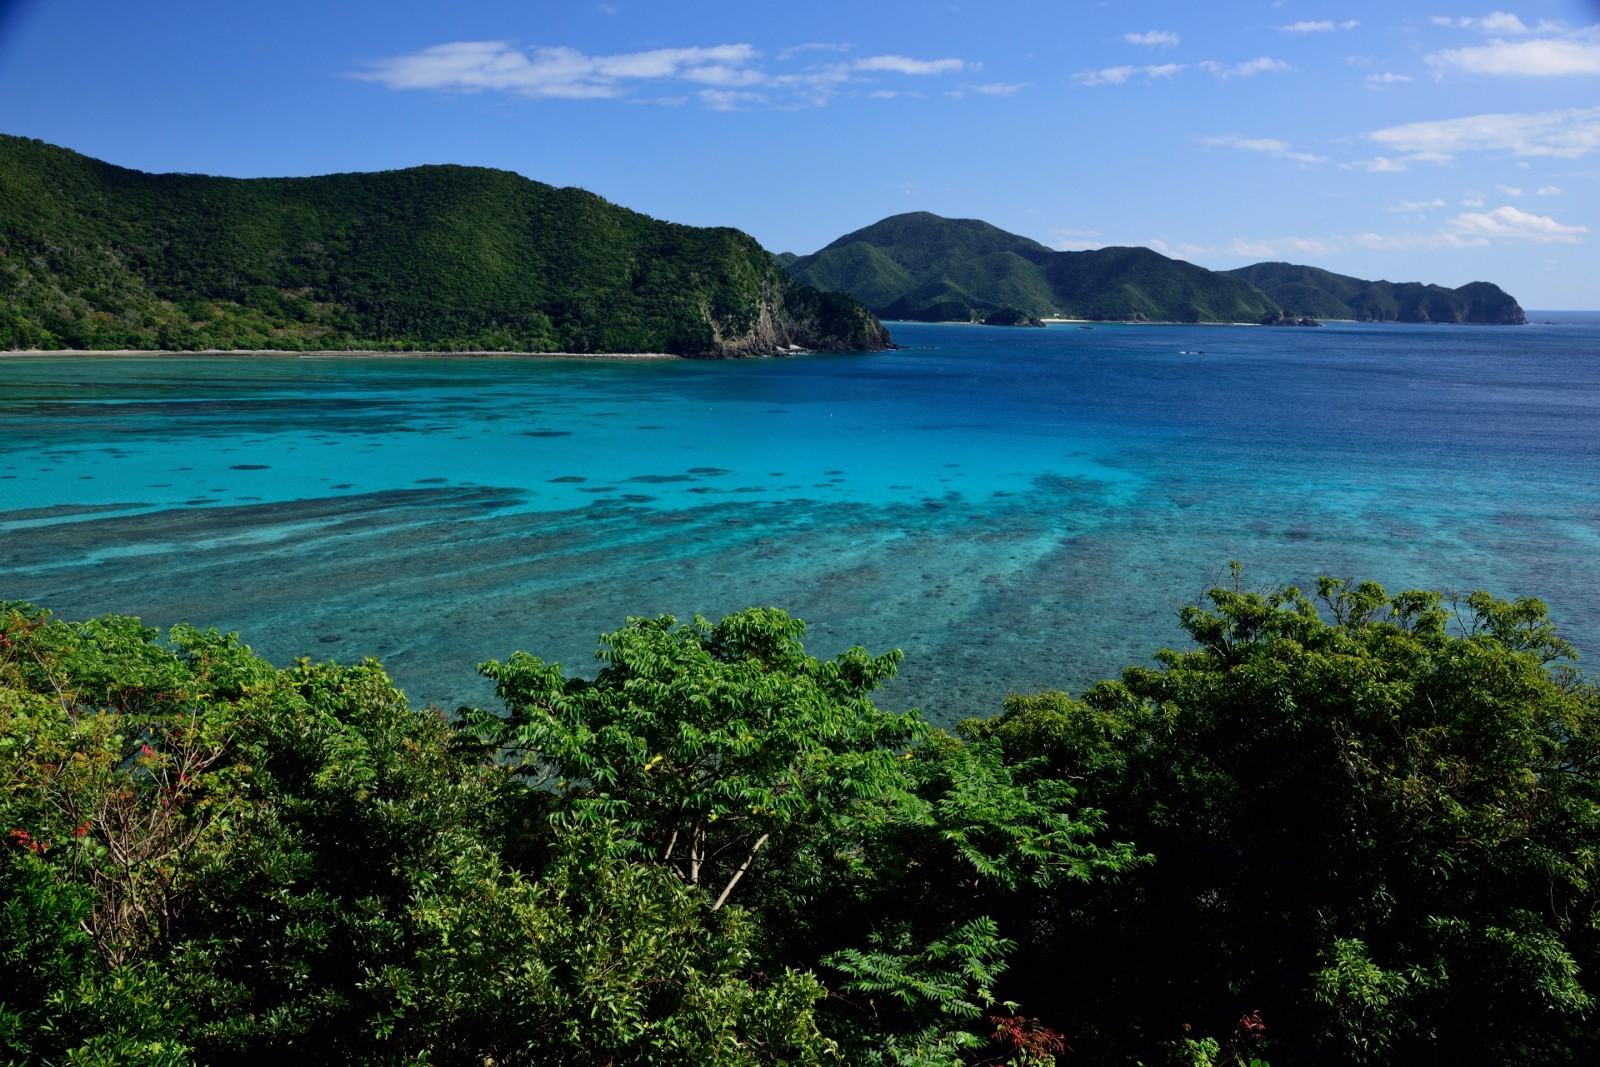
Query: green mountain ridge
column 1325, row 295
column 97, row 256
column 921, row 266
column 924, row 267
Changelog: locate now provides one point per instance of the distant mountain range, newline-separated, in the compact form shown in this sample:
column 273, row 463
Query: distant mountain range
column 440, row 257
column 1325, row 295
column 924, row 267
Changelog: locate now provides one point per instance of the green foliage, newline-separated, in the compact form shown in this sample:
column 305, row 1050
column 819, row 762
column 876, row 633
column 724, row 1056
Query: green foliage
column 923, row 267
column 705, row 743
column 1375, row 822
column 1010, row 316
column 730, row 757
column 939, row 989
column 1325, row 295
column 441, row 258
column 1354, row 828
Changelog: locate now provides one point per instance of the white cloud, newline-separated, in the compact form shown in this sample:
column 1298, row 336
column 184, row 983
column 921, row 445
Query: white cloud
column 1078, row 240
column 730, row 99
column 734, row 72
column 906, row 65
column 1104, row 76
column 1264, row 65
column 1467, row 230
column 1543, row 58
column 1566, row 134
column 565, row 73
column 1472, row 201
column 1509, row 190
column 1250, row 248
column 1509, row 223
column 1000, row 88
column 1409, row 206
column 1380, row 165
column 1495, row 22
column 1121, row 75
column 812, row 46
column 1154, row 38
column 1413, row 242
column 1265, row 145
column 1550, row 190
column 1500, row 22
column 1387, row 78
column 1305, row 26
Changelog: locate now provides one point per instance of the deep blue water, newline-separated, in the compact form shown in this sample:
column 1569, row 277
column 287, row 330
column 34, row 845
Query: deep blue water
column 1016, row 509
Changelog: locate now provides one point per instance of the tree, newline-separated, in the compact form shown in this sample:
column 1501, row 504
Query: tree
column 207, row 859
column 704, row 742
column 863, row 844
column 1374, row 823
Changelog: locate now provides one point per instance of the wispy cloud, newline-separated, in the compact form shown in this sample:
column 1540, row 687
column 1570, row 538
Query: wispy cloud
column 1380, row 165
column 1513, row 224
column 1509, row 190
column 1250, row 248
column 1413, row 206
column 1499, row 22
column 1513, row 51
column 1305, row 26
column 812, row 46
column 1265, row 145
column 1505, row 225
column 1247, row 69
column 907, row 65
column 1566, row 134
column 1121, row 75
column 730, row 99
column 1154, row 38
column 1078, row 240
column 1550, row 190
column 1375, row 81
column 998, row 88
column 731, row 76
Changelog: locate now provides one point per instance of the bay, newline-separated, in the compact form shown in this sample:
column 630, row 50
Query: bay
column 1016, row 509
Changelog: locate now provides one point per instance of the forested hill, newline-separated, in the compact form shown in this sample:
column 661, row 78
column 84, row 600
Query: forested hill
column 437, row 257
column 1325, row 295
column 922, row 266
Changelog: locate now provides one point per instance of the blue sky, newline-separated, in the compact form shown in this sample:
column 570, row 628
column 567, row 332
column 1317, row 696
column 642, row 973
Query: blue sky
column 1414, row 141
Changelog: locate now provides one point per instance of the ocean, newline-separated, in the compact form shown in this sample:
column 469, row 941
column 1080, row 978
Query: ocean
column 1016, row 509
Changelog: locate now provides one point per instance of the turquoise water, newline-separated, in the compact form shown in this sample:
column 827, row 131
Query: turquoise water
column 1015, row 509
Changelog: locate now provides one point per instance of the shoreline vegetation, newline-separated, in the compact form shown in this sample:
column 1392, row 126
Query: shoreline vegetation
column 335, row 353
column 434, row 258
column 1336, row 827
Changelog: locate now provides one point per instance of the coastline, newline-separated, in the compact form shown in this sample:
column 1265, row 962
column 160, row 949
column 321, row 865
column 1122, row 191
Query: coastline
column 1143, row 322
column 1049, row 320
column 276, row 353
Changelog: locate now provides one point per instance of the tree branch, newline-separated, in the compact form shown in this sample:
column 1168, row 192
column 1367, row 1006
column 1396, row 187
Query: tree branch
column 745, row 866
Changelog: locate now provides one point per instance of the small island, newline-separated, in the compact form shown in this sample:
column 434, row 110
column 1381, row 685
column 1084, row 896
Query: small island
column 1009, row 316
